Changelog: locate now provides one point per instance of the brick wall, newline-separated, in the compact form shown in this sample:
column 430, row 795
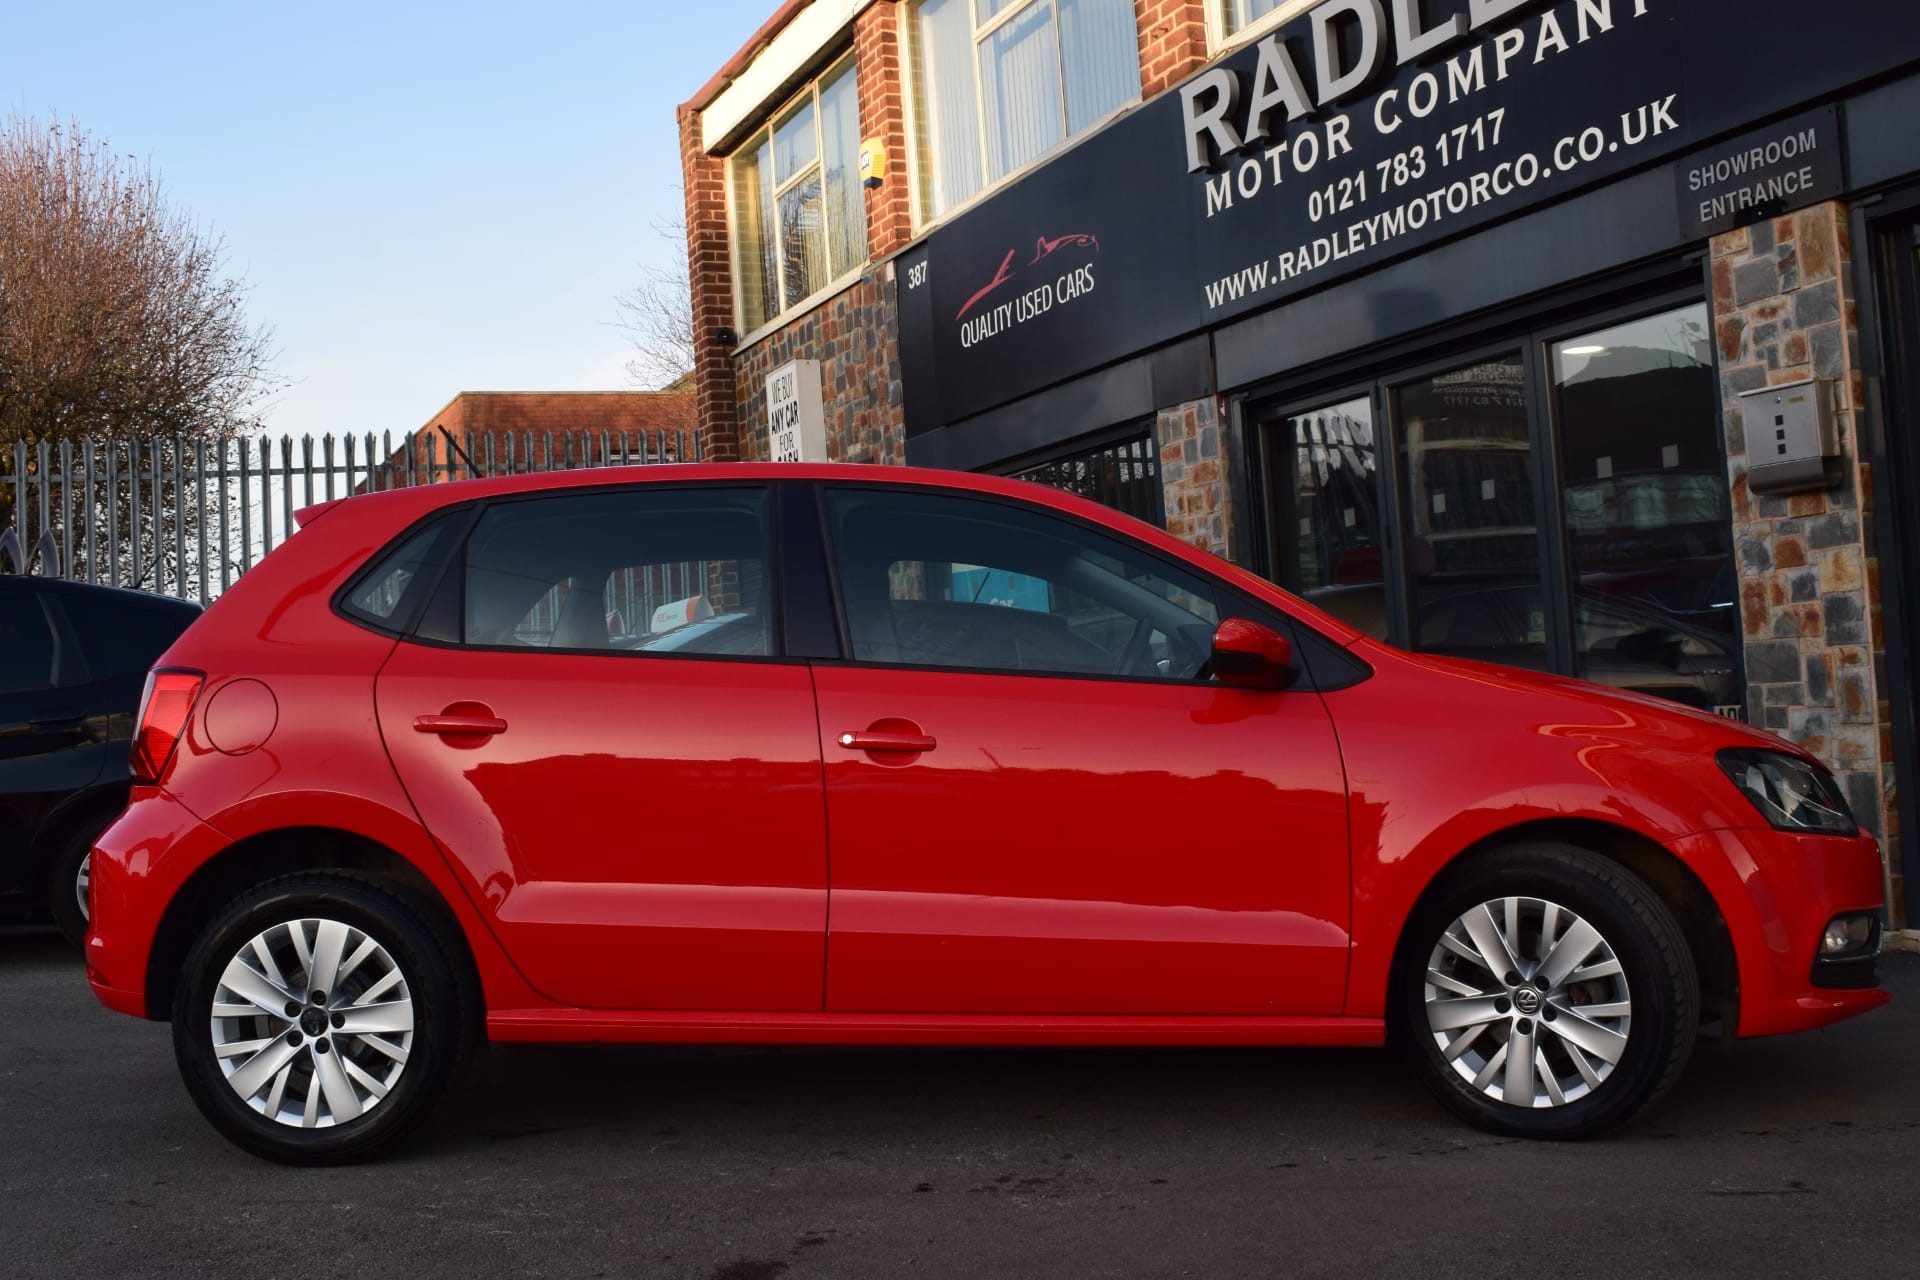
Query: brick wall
column 854, row 336
column 1173, row 41
column 877, row 64
column 1784, row 310
column 1193, row 476
column 710, row 278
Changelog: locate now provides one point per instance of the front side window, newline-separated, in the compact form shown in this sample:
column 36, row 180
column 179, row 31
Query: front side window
column 648, row 571
column 999, row 82
column 941, row 581
column 799, row 221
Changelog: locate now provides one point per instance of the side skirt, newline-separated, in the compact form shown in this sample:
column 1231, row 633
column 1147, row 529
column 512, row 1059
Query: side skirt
column 600, row 1026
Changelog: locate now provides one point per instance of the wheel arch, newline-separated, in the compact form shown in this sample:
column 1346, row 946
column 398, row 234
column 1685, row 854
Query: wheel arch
column 101, row 802
column 284, row 851
column 1709, row 940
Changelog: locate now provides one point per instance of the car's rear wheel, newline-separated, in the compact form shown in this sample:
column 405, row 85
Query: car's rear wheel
column 67, row 879
column 318, row 1019
column 1547, row 992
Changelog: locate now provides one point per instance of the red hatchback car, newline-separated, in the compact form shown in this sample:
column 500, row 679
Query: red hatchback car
column 816, row 754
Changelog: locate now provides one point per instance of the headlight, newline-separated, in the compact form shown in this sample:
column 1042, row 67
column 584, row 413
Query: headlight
column 1790, row 793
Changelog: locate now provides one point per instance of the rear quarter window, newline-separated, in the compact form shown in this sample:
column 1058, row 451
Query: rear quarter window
column 120, row 638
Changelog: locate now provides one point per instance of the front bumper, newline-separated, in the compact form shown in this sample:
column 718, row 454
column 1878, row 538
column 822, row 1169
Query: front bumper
column 139, row 864
column 1777, row 890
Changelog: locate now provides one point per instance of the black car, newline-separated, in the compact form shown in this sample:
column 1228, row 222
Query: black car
column 73, row 659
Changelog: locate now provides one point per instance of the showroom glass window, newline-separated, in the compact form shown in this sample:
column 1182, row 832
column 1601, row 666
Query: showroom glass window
column 1001, row 82
column 1328, row 516
column 1472, row 543
column 938, row 581
column 1645, row 496
column 651, row 570
column 800, row 223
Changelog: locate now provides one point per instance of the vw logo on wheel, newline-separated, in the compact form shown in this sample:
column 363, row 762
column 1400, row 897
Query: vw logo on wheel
column 1527, row 1000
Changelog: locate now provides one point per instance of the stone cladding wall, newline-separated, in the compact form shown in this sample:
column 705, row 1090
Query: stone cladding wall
column 1193, row 476
column 1810, row 603
column 855, row 337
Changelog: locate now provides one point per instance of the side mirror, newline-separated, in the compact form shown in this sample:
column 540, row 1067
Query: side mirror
column 1247, row 655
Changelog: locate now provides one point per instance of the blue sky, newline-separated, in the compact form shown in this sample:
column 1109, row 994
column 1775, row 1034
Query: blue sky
column 425, row 198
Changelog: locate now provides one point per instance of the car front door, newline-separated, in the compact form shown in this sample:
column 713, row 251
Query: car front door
column 1036, row 802
column 600, row 732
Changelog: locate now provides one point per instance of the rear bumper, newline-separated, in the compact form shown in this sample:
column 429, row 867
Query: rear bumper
column 138, row 866
column 1784, row 888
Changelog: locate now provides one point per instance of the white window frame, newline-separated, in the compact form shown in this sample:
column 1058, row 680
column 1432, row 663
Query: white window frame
column 919, row 159
column 810, row 92
column 1222, row 33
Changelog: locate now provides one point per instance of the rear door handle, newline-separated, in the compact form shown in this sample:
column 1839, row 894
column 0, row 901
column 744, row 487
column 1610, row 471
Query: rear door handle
column 870, row 740
column 63, row 720
column 445, row 724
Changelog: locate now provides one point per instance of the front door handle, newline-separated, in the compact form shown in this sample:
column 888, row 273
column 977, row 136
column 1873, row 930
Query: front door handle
column 459, row 724
column 876, row 740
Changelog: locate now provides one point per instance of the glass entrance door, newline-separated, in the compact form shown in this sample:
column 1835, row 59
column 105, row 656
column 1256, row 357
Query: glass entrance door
column 1896, row 493
column 1645, row 510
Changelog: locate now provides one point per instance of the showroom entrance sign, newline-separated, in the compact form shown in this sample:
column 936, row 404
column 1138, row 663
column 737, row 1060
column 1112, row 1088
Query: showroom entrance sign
column 1763, row 174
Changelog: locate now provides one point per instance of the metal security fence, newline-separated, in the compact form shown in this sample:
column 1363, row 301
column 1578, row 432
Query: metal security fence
column 1123, row 474
column 187, row 517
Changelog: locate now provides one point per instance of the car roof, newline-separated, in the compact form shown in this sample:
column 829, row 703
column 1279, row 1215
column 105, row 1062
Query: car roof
column 119, row 595
column 408, row 504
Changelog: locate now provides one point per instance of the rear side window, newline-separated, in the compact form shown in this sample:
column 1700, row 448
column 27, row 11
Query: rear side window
column 388, row 590
column 638, row 571
column 26, row 645
column 120, row 638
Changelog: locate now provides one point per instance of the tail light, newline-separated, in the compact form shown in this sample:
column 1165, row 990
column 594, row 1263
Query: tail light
column 165, row 705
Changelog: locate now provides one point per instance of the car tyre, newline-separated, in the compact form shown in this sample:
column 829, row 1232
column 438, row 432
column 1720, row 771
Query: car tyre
column 1546, row 992
column 67, row 879
column 318, row 1019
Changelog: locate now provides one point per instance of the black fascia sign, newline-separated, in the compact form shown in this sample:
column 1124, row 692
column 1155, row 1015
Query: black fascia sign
column 1360, row 133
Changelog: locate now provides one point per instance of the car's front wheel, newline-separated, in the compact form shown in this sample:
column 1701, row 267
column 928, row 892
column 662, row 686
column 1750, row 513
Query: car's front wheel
column 1547, row 992
column 318, row 1020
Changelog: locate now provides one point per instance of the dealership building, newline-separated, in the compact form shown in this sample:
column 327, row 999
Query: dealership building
column 1581, row 336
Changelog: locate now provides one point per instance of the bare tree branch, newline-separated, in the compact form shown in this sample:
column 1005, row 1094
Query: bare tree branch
column 657, row 314
column 115, row 313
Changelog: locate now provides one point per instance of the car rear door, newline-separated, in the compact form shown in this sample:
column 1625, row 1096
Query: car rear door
column 638, row 814
column 1036, row 805
column 51, row 742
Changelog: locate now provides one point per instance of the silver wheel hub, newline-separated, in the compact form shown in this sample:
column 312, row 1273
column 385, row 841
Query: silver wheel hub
column 312, row 1023
column 1527, row 1002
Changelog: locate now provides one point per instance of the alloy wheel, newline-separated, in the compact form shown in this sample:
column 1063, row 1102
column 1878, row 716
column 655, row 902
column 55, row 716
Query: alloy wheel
column 312, row 1023
column 1527, row 1002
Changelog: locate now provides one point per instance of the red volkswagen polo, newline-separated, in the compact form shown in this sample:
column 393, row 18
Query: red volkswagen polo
column 785, row 754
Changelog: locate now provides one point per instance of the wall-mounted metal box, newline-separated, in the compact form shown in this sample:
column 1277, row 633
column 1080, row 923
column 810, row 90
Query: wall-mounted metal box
column 1790, row 437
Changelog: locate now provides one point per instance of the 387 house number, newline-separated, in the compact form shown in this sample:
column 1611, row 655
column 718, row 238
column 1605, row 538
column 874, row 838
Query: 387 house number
column 916, row 275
